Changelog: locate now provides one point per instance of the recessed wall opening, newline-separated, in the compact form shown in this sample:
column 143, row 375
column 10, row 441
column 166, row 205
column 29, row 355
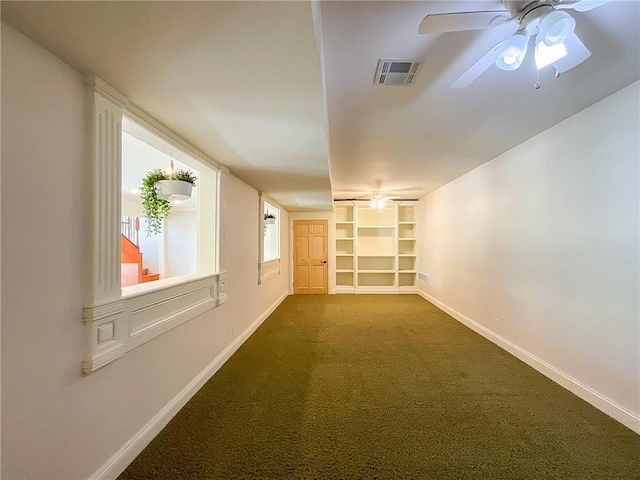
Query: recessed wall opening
column 152, row 257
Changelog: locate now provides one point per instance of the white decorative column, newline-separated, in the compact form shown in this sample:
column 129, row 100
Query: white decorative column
column 104, row 315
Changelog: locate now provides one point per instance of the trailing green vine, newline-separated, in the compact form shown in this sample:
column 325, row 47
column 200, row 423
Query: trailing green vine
column 157, row 208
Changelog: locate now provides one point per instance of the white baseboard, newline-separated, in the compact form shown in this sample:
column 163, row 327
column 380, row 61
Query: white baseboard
column 611, row 408
column 376, row 290
column 130, row 450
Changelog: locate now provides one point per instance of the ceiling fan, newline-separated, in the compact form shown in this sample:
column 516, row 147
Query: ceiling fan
column 552, row 29
column 377, row 198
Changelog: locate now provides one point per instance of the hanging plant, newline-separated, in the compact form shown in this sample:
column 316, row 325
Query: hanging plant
column 269, row 219
column 156, row 206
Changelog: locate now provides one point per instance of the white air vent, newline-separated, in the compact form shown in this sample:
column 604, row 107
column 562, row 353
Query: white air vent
column 396, row 72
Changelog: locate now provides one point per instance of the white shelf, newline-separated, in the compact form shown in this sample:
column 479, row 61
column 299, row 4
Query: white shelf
column 381, row 256
column 376, row 280
column 406, row 255
column 344, row 254
column 406, row 223
column 344, row 289
column 407, row 271
column 343, row 270
column 345, row 238
column 361, row 271
column 408, row 239
column 344, row 212
column 376, row 226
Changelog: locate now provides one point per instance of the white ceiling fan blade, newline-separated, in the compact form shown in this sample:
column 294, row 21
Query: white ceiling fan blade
column 456, row 22
column 586, row 5
column 564, row 4
column 479, row 67
column 577, row 53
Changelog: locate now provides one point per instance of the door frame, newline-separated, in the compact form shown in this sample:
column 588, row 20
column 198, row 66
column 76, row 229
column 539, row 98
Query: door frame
column 327, row 215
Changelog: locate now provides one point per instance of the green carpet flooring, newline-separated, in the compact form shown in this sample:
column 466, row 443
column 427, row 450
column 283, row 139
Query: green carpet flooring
column 382, row 386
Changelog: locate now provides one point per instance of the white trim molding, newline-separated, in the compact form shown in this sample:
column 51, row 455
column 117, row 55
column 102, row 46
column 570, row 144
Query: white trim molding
column 117, row 327
column 627, row 418
column 269, row 270
column 116, row 323
column 106, row 151
column 132, row 448
column 134, row 112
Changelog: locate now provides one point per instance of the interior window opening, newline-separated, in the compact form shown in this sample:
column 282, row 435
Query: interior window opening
column 271, row 244
column 162, row 206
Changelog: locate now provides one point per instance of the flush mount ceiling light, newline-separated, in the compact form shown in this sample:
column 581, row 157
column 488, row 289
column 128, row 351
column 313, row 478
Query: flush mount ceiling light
column 541, row 19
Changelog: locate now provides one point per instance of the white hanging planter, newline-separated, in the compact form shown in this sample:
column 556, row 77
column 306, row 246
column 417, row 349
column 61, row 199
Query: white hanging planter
column 270, row 221
column 174, row 189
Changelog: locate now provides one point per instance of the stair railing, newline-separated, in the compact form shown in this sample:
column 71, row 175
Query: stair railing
column 130, row 228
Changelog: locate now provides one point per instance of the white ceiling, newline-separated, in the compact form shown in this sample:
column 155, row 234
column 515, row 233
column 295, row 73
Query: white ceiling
column 245, row 83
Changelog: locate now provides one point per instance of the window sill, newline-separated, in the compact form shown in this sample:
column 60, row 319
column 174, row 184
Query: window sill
column 162, row 284
column 120, row 326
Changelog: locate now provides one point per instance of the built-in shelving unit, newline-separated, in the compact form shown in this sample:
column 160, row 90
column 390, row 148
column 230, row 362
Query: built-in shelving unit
column 407, row 232
column 375, row 250
column 344, row 237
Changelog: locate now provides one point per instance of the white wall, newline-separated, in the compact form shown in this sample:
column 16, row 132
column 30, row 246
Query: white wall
column 150, row 248
column 540, row 247
column 57, row 422
column 181, row 236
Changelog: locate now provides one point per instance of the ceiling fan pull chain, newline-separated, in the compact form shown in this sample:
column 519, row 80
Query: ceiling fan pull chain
column 537, row 84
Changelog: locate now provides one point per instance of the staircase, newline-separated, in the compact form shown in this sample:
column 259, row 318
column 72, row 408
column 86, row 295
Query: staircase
column 131, row 258
column 149, row 277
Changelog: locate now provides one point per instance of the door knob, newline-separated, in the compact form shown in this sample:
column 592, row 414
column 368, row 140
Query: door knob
column 324, row 261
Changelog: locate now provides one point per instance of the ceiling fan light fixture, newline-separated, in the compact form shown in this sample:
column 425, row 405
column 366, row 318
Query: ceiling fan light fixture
column 513, row 52
column 555, row 27
column 377, row 203
column 546, row 55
